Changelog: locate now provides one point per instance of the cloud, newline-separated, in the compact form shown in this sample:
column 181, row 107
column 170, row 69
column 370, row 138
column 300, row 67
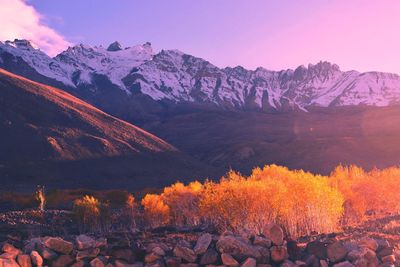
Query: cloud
column 20, row 20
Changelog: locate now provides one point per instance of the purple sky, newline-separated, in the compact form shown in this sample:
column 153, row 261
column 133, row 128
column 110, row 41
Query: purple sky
column 356, row 34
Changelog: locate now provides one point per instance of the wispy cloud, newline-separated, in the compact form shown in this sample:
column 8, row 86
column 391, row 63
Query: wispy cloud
column 20, row 20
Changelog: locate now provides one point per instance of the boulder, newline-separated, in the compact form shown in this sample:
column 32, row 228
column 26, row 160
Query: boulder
column 24, row 260
column 317, row 248
column 336, row 252
column 343, row 264
column 172, row 261
column 209, row 257
column 203, row 243
column 262, row 241
column 288, row 263
column 97, row 262
column 323, row 263
column 78, row 264
column 249, row 262
column 48, row 254
column 152, row 257
column 385, row 252
column 228, row 260
column 389, row 258
column 121, row 263
column 275, row 233
column 8, row 263
column 84, row 242
column 237, row 247
column 10, row 256
column 100, row 243
column 159, row 251
column 159, row 263
column 368, row 243
column 263, row 265
column 293, row 250
column 188, row 265
column 265, row 255
column 62, row 261
column 125, row 254
column 185, row 253
column 278, row 253
column 11, row 250
column 312, row 261
column 36, row 258
column 87, row 254
column 58, row 244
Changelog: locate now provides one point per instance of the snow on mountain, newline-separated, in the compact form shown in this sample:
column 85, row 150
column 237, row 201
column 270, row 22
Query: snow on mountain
column 179, row 77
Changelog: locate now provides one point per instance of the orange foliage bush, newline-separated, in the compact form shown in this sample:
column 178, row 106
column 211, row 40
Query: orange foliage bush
column 155, row 211
column 92, row 215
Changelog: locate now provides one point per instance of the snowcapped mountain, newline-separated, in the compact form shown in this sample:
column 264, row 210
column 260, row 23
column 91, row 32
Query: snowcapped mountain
column 181, row 78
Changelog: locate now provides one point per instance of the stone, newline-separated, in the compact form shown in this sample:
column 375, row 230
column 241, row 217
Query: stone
column 336, row 252
column 125, row 254
column 62, row 261
column 249, row 262
column 263, row 265
column 343, row 264
column 159, row 263
column 84, row 242
column 10, row 256
column 100, row 243
column 48, row 254
column 323, row 263
column 8, row 263
column 312, row 261
column 317, row 248
column 288, row 263
column 152, row 257
column 36, row 258
column 237, row 247
column 87, row 254
column 278, row 253
column 301, row 263
column 11, row 250
column 275, row 233
column 159, row 251
column 172, row 261
column 293, row 250
column 369, row 243
column 188, row 265
column 115, row 46
column 265, row 255
column 228, row 260
column 389, row 258
column 385, row 252
column 78, row 264
column 24, row 260
column 185, row 253
column 262, row 241
column 32, row 244
column 58, row 244
column 203, row 243
column 97, row 262
column 209, row 257
column 121, row 263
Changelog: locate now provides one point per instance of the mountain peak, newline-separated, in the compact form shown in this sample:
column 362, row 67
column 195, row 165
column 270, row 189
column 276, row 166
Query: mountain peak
column 21, row 43
column 115, row 46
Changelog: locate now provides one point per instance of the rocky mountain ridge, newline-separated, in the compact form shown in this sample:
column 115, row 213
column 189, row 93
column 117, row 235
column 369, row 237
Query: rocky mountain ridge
column 174, row 76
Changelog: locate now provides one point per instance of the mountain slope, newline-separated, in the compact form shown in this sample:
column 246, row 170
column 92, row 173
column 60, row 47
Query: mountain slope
column 47, row 134
column 175, row 77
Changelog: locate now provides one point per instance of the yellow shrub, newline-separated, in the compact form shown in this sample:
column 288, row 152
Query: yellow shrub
column 90, row 213
column 155, row 211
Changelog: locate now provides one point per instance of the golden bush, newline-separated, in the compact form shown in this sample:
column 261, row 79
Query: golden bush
column 92, row 215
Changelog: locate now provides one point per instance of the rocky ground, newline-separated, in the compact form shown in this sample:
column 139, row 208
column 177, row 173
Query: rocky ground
column 31, row 240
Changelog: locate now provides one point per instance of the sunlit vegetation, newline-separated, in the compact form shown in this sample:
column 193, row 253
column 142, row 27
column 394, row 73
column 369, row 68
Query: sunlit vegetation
column 91, row 214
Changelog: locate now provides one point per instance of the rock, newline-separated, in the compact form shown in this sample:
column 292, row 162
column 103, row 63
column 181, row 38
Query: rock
column 336, row 252
column 385, row 252
column 84, row 242
column 152, row 257
column 265, row 255
column 237, row 247
column 48, row 254
column 87, row 254
column 228, row 260
column 288, row 263
column 188, row 265
column 210, row 257
column 32, row 244
column 343, row 264
column 278, row 253
column 361, row 262
column 36, row 258
column 115, row 46
column 382, row 243
column 159, row 263
column 10, row 249
column 58, row 244
column 24, row 260
column 369, row 243
column 262, row 241
column 249, row 262
column 159, row 251
column 275, row 233
column 312, row 261
column 9, row 256
column 8, row 263
column 121, row 263
column 203, row 243
column 263, row 265
column 389, row 258
column 62, row 261
column 317, row 248
column 78, row 264
column 100, row 243
column 97, row 262
column 185, row 253
column 172, row 261
column 125, row 254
